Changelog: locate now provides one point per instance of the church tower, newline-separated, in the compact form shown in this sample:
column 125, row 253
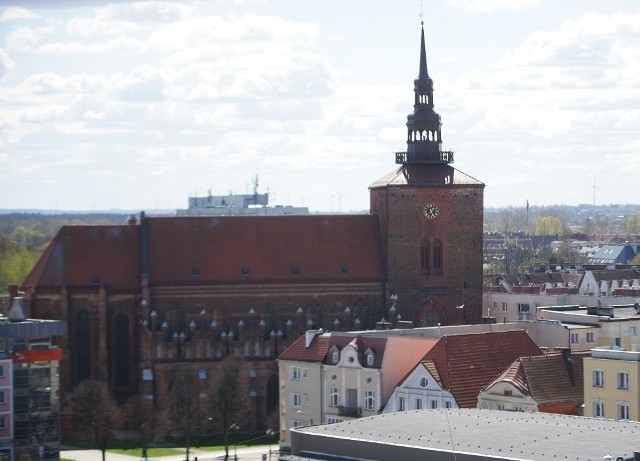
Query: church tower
column 430, row 217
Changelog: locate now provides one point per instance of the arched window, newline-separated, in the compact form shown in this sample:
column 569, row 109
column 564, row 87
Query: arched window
column 437, row 257
column 272, row 394
column 430, row 319
column 123, row 350
column 424, row 258
column 83, row 346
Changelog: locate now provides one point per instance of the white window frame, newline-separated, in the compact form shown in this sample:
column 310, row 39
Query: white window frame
column 591, row 337
column 369, row 399
column 370, row 360
column 623, row 379
column 424, row 381
column 575, row 338
column 447, row 404
column 296, row 400
column 294, row 373
column 402, row 403
column 598, row 409
column 504, row 307
column 305, row 373
column 419, row 403
column 434, row 404
column 633, row 330
column 597, row 377
column 334, row 397
column 623, row 411
column 335, row 356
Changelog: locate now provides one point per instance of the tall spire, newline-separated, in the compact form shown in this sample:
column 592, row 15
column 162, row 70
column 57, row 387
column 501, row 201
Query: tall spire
column 424, row 140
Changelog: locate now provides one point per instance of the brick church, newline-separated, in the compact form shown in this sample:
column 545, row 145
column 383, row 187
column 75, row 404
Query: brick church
column 144, row 297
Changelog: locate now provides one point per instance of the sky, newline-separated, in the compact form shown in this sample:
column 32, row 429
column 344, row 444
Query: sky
column 140, row 105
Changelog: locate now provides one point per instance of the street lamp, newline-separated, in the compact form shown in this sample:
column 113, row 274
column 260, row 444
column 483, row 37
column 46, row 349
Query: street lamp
column 270, row 433
column 235, row 427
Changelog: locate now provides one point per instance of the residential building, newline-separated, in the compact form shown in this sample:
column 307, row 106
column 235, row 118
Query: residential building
column 452, row 373
column 190, row 291
column 348, row 376
column 29, row 386
column 612, row 384
column 549, row 383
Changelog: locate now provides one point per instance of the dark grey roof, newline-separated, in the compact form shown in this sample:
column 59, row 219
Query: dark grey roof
column 478, row 434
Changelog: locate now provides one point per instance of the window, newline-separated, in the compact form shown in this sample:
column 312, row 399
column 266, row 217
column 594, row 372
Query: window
column 575, row 338
column 296, row 400
column 305, row 372
column 424, row 381
column 370, row 360
column 418, row 403
column 434, row 404
column 335, row 356
column 598, row 409
column 202, row 374
column 447, row 404
column 3, row 422
column 424, row 258
column 503, row 307
column 623, row 380
column 437, row 257
column 623, row 411
column 333, row 420
column 598, row 378
column 1, row 371
column 369, row 400
column 508, row 392
column 523, row 311
column 633, row 330
column 294, row 373
column 401, row 404
column 591, row 337
column 334, row 397
column 500, row 407
column 2, row 397
column 617, row 342
column 2, row 344
column 147, row 374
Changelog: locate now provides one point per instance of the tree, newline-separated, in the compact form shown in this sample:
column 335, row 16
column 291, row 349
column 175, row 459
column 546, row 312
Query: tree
column 228, row 400
column 95, row 413
column 184, row 413
column 548, row 225
column 633, row 224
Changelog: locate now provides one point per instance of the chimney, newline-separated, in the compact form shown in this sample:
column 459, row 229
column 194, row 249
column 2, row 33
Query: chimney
column 17, row 312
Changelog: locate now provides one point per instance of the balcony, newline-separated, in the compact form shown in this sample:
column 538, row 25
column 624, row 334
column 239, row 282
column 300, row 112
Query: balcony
column 424, row 157
column 353, row 412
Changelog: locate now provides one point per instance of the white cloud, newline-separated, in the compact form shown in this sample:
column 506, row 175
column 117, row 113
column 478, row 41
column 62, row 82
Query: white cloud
column 24, row 39
column 488, row 5
column 16, row 13
column 6, row 63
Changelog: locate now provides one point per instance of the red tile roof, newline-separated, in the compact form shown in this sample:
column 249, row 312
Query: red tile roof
column 205, row 250
column 468, row 363
column 553, row 378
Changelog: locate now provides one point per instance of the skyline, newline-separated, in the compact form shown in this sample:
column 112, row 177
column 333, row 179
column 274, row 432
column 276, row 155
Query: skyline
column 121, row 105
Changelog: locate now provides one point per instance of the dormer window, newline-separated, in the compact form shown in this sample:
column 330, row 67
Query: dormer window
column 335, row 354
column 369, row 357
column 370, row 360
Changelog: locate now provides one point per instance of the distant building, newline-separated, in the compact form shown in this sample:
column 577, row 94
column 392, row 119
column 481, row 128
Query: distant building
column 613, row 254
column 29, row 386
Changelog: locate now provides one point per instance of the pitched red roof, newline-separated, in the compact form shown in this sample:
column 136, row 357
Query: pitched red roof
column 206, row 250
column 468, row 363
column 316, row 352
column 553, row 378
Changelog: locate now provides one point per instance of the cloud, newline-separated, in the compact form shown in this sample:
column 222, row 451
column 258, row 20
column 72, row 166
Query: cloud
column 489, row 5
column 24, row 39
column 6, row 63
column 16, row 13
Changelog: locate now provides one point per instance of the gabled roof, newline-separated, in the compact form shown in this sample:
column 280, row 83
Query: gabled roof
column 552, row 378
column 322, row 344
column 467, row 363
column 208, row 250
column 609, row 254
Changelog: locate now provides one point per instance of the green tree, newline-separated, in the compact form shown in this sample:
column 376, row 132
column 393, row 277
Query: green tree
column 633, row 224
column 548, row 225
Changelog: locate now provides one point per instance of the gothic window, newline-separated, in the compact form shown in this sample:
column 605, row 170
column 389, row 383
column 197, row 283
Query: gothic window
column 123, row 350
column 272, row 394
column 83, row 346
column 437, row 257
column 430, row 319
column 424, row 258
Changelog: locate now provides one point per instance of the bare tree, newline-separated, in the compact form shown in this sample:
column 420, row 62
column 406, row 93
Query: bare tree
column 95, row 413
column 184, row 413
column 228, row 401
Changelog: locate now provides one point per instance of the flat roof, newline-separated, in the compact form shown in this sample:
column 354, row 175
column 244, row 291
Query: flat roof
column 432, row 434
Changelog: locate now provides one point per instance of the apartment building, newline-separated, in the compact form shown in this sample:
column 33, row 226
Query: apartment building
column 612, row 384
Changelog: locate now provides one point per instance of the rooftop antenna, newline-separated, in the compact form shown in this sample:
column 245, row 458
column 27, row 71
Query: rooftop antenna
column 594, row 192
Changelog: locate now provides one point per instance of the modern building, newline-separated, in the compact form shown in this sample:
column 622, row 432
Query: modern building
column 612, row 384
column 29, row 386
column 467, row 435
column 193, row 290
column 550, row 383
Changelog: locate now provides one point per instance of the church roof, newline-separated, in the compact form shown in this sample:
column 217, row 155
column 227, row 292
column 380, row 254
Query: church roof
column 426, row 175
column 209, row 250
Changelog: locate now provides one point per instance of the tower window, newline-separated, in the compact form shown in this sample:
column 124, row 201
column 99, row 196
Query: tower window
column 424, row 258
column 437, row 257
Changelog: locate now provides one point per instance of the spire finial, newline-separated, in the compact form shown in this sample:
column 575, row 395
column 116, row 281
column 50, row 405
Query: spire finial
column 421, row 14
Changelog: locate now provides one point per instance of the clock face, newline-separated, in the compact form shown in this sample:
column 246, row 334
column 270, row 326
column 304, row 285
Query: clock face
column 430, row 211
